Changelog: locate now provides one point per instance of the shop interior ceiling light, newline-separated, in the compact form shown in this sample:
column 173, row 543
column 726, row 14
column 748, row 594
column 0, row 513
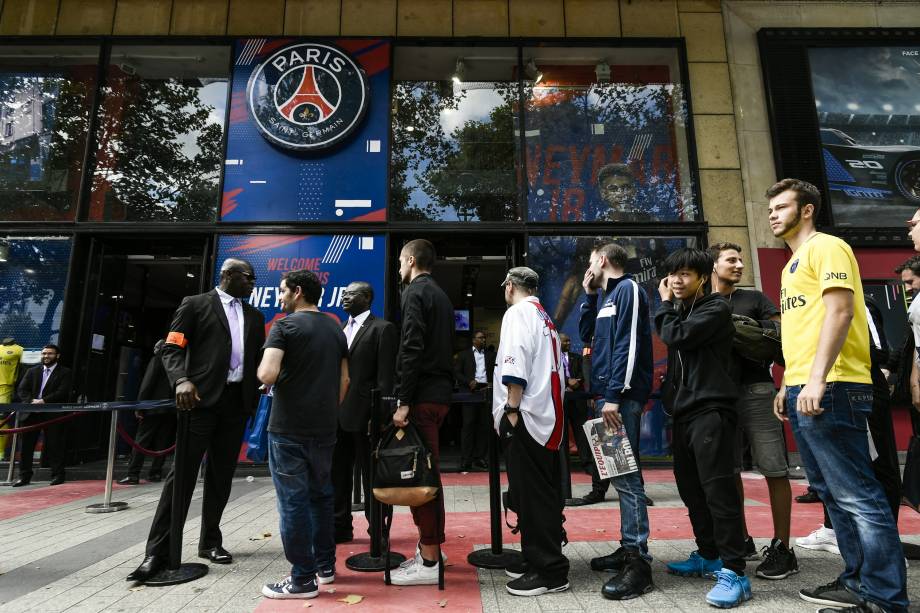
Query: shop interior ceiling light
column 459, row 71
column 532, row 72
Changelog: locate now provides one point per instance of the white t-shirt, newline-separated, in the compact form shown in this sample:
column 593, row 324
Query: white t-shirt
column 529, row 354
column 913, row 316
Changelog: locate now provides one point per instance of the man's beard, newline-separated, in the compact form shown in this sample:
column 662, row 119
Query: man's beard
column 788, row 228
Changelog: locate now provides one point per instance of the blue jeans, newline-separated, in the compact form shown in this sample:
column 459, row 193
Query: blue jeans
column 835, row 451
column 634, row 528
column 301, row 470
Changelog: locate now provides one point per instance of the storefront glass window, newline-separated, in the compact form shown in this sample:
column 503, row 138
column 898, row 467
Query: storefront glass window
column 561, row 262
column 45, row 98
column 160, row 134
column 454, row 154
column 869, row 117
column 33, row 274
column 605, row 136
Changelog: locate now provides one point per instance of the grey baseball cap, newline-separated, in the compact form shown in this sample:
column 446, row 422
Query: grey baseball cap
column 521, row 275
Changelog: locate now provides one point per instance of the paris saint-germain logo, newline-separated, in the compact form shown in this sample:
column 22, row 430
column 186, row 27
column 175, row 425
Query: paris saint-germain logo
column 307, row 96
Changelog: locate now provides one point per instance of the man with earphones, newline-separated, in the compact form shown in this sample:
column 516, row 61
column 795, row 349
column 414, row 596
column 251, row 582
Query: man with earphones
column 700, row 393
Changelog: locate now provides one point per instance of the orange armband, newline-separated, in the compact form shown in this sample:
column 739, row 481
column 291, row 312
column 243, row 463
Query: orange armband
column 177, row 338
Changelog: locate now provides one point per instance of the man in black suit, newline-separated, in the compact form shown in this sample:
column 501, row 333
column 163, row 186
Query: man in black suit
column 473, row 372
column 211, row 355
column 371, row 363
column 46, row 382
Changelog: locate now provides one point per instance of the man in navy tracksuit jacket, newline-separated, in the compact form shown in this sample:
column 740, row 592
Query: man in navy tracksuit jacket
column 616, row 315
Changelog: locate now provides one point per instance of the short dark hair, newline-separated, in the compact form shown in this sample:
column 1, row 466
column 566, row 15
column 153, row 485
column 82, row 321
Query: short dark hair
column 613, row 252
column 914, row 265
column 52, row 346
column 805, row 192
column 716, row 250
column 907, row 264
column 422, row 251
column 617, row 169
column 365, row 288
column 308, row 283
column 696, row 260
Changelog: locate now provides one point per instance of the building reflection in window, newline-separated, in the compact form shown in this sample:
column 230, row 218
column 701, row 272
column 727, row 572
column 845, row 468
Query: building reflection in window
column 45, row 98
column 454, row 153
column 605, row 136
column 160, row 134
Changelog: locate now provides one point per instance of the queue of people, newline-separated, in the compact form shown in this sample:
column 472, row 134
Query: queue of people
column 322, row 375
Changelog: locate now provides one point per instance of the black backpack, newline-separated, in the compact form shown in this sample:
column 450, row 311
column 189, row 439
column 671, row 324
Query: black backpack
column 755, row 342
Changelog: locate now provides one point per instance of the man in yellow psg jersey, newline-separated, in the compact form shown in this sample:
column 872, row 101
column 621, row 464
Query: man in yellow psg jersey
column 10, row 355
column 827, row 396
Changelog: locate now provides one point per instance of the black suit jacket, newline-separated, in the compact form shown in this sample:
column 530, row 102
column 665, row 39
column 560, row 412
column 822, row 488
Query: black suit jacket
column 465, row 368
column 371, row 363
column 575, row 370
column 198, row 347
column 58, row 388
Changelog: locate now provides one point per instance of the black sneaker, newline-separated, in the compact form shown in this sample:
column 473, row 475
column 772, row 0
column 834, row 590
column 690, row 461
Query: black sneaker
column 286, row 589
column 750, row 549
column 865, row 607
column 634, row 581
column 809, row 497
column 610, row 563
column 592, row 497
column 533, row 584
column 516, row 570
column 833, row 594
column 778, row 561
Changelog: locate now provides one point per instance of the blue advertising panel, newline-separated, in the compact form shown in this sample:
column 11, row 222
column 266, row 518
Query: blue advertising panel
column 33, row 275
column 308, row 132
column 336, row 259
column 561, row 262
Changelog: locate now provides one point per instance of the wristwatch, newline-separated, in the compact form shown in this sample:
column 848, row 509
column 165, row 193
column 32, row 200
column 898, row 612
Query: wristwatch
column 510, row 409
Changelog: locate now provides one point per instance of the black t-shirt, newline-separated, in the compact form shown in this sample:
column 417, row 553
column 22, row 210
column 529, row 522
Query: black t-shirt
column 754, row 304
column 306, row 394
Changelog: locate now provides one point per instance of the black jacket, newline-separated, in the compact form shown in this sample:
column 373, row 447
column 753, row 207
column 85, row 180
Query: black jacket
column 370, row 365
column 700, row 366
column 424, row 369
column 200, row 348
column 155, row 384
column 465, row 368
column 576, row 371
column 58, row 388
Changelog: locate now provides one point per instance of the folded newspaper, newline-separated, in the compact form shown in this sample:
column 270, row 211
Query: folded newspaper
column 611, row 449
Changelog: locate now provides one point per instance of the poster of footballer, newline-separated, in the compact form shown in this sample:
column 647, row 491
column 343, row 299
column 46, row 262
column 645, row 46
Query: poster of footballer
column 336, row 259
column 308, row 133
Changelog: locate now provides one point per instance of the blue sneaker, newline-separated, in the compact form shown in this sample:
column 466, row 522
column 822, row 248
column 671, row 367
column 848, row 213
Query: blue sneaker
column 730, row 590
column 695, row 566
column 287, row 589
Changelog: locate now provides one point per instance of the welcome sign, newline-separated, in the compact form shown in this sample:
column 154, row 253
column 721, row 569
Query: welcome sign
column 308, row 133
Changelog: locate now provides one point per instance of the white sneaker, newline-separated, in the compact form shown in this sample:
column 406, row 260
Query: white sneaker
column 822, row 539
column 414, row 572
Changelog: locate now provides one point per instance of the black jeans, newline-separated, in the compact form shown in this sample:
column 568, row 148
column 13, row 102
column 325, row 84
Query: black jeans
column 217, row 430
column 535, row 493
column 474, row 433
column 704, row 468
column 155, row 432
column 350, row 448
column 577, row 413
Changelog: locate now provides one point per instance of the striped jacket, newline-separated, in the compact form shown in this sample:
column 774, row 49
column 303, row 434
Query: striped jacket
column 621, row 349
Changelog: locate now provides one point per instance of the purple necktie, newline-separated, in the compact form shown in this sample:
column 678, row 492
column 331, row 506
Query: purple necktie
column 45, row 375
column 236, row 344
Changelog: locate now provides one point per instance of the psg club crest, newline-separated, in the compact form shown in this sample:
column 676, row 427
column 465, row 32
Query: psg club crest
column 307, row 96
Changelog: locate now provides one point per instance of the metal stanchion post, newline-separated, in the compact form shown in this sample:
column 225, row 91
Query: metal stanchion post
column 374, row 560
column 177, row 572
column 9, row 473
column 107, row 506
column 357, row 500
column 496, row 556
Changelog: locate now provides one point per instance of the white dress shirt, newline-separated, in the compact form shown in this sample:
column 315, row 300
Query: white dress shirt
column 480, row 357
column 234, row 375
column 353, row 325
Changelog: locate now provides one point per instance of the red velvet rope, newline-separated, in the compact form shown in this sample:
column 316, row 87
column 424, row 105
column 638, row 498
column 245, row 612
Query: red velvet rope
column 42, row 425
column 154, row 454
column 7, row 419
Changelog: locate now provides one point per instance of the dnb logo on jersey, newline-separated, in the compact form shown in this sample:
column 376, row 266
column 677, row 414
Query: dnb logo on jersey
column 307, row 96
